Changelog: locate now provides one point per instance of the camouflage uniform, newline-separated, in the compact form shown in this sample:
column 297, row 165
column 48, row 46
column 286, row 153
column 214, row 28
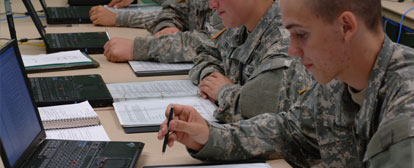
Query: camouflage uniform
column 258, row 64
column 326, row 127
column 196, row 21
column 137, row 18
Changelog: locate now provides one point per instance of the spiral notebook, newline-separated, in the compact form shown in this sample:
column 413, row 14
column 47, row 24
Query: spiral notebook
column 68, row 116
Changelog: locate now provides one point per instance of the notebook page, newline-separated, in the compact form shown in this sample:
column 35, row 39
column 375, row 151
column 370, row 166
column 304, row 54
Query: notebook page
column 93, row 133
column 153, row 89
column 55, row 58
column 147, row 66
column 150, row 112
column 241, row 165
column 70, row 111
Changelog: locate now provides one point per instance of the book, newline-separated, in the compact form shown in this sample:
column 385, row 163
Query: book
column 68, row 116
column 65, row 60
column 140, row 106
column 148, row 68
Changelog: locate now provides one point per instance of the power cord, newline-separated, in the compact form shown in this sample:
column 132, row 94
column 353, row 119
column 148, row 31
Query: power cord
column 24, row 41
column 401, row 23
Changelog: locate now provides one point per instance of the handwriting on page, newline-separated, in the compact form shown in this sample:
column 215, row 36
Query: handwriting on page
column 55, row 58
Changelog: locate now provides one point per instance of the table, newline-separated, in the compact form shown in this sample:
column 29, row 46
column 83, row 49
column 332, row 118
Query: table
column 111, row 72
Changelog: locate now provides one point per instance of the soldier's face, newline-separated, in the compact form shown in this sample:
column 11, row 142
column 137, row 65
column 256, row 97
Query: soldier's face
column 233, row 13
column 319, row 44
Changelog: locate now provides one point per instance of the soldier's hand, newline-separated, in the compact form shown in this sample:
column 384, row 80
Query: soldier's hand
column 119, row 50
column 212, row 84
column 120, row 3
column 168, row 30
column 186, row 127
column 99, row 15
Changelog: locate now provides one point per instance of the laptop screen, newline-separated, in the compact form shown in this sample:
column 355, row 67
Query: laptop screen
column 32, row 12
column 19, row 122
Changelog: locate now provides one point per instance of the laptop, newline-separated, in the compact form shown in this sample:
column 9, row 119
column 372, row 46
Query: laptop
column 66, row 15
column 91, row 2
column 91, row 42
column 49, row 91
column 22, row 136
column 50, row 67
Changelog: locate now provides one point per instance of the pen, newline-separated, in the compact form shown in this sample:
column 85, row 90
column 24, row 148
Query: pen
column 107, row 34
column 164, row 145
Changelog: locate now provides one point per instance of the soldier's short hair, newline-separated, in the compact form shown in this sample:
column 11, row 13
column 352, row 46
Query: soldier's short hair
column 368, row 10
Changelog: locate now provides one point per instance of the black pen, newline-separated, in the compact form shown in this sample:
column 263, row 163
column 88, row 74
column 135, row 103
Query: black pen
column 164, row 146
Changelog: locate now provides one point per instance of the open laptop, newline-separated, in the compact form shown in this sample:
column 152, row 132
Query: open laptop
column 91, row 42
column 48, row 91
column 22, row 136
column 66, row 89
column 66, row 15
column 91, row 2
column 51, row 67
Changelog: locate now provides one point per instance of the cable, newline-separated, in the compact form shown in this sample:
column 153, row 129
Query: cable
column 18, row 17
column 401, row 23
column 28, row 39
column 33, row 44
column 22, row 40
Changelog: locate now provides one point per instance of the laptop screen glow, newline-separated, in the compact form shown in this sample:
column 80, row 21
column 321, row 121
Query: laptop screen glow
column 19, row 124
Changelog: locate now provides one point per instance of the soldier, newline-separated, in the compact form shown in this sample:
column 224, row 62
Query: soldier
column 192, row 22
column 100, row 15
column 359, row 114
column 249, row 73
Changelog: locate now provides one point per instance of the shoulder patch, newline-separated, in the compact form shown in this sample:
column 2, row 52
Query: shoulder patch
column 219, row 33
column 303, row 91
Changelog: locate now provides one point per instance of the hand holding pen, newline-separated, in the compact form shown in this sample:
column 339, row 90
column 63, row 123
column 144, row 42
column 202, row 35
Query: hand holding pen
column 185, row 126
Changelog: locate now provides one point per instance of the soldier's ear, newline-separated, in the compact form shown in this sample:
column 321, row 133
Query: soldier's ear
column 348, row 25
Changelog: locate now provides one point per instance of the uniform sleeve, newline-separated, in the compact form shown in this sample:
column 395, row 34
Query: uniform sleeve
column 392, row 145
column 258, row 95
column 207, row 61
column 274, row 86
column 266, row 136
column 135, row 19
column 173, row 14
column 174, row 48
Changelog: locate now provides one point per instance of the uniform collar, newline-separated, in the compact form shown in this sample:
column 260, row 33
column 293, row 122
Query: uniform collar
column 365, row 119
column 247, row 46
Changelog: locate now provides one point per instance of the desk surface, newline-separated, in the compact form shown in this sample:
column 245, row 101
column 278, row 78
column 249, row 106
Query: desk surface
column 111, row 72
column 394, row 11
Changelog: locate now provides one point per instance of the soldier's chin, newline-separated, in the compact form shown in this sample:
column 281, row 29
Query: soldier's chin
column 321, row 79
column 230, row 24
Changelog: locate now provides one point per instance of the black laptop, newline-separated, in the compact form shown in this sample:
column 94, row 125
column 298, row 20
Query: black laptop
column 66, row 15
column 48, row 91
column 91, row 43
column 22, row 136
column 50, row 67
column 91, row 2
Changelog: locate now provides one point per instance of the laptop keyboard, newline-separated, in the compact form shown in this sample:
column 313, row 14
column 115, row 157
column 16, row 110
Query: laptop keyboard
column 70, row 40
column 68, row 153
column 55, row 88
column 66, row 13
